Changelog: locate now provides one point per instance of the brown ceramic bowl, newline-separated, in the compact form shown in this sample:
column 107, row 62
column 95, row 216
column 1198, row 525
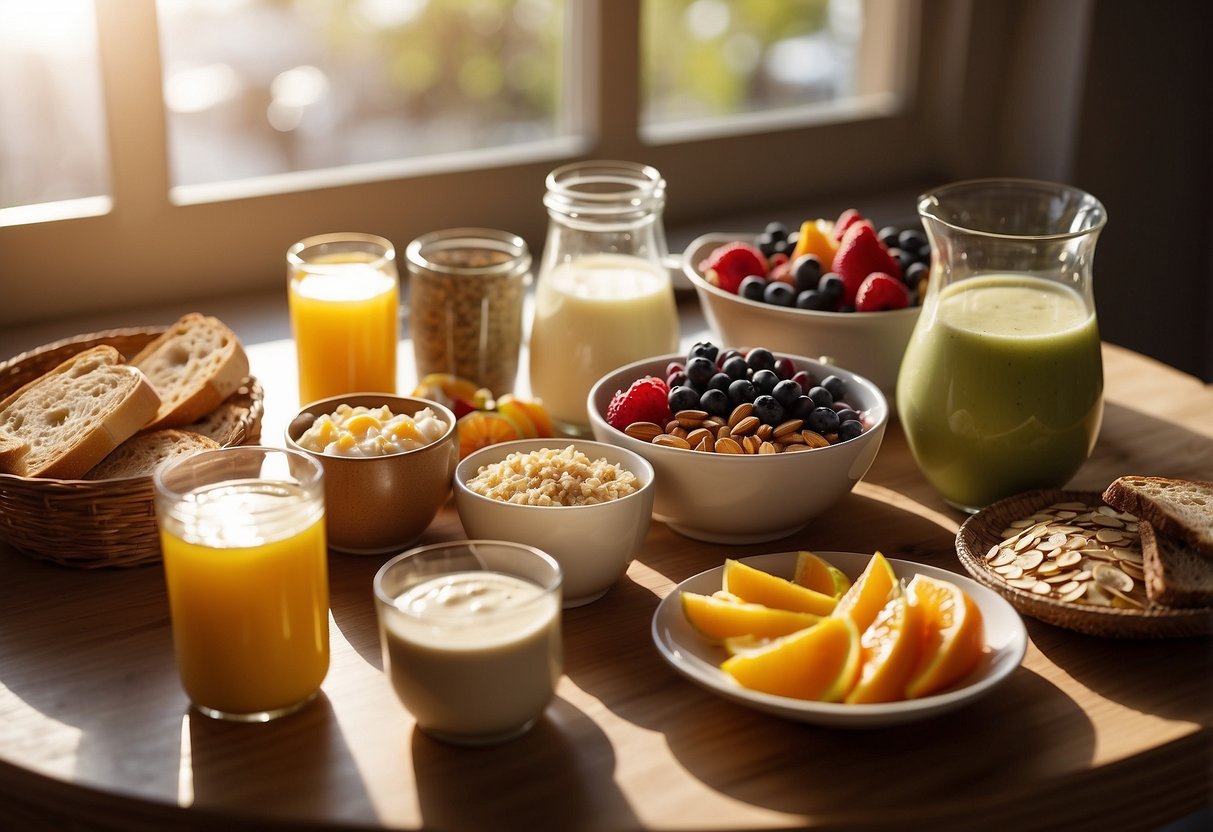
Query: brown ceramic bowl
column 380, row 504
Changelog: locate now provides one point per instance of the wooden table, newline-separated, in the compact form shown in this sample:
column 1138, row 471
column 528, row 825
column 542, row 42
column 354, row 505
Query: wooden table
column 1089, row 732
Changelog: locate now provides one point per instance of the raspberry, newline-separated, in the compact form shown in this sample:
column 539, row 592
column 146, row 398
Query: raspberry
column 732, row 263
column 859, row 254
column 880, row 292
column 647, row 400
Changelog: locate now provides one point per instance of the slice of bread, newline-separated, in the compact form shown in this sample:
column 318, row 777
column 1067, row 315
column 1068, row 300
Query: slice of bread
column 1176, row 574
column 12, row 448
column 1179, row 508
column 139, row 455
column 74, row 415
column 196, row 364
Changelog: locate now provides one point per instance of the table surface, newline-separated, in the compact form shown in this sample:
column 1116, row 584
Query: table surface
column 1088, row 732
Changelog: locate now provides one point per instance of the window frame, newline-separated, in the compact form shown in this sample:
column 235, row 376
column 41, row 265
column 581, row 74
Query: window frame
column 160, row 245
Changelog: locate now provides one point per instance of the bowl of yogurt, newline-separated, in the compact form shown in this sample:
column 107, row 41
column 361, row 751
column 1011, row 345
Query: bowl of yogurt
column 388, row 462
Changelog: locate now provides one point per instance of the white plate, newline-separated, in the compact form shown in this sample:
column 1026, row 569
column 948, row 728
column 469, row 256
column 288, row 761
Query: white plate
column 699, row 660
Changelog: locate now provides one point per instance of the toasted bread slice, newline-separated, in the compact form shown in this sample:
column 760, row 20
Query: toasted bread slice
column 74, row 415
column 196, row 364
column 1176, row 574
column 1179, row 508
column 139, row 455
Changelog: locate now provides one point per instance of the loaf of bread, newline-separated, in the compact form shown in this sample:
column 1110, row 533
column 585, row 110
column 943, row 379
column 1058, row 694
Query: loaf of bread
column 1176, row 574
column 72, row 417
column 194, row 365
column 1180, row 508
column 139, row 455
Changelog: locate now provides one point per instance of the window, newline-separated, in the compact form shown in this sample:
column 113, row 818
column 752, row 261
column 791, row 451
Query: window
column 228, row 129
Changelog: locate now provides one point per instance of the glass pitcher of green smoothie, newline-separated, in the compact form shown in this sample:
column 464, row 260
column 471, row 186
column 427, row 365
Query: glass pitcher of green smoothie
column 1001, row 386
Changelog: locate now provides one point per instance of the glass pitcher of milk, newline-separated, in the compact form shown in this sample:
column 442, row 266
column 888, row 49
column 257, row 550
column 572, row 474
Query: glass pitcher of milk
column 603, row 296
column 1001, row 386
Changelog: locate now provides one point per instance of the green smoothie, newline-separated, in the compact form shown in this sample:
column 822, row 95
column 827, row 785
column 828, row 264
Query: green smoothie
column 1001, row 388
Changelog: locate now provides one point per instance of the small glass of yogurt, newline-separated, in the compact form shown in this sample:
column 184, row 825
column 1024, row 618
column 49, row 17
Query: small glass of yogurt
column 471, row 640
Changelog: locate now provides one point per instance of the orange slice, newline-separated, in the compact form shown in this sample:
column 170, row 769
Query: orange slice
column 512, row 409
column 540, row 416
column 482, row 428
column 955, row 635
column 760, row 587
column 817, row 574
column 816, row 238
column 445, row 388
column 869, row 593
column 889, row 652
column 820, row 663
column 721, row 618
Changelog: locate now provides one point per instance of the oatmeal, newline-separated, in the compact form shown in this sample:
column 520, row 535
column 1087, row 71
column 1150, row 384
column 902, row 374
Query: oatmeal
column 550, row 477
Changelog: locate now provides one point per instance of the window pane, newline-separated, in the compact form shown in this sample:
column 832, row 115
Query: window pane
column 712, row 58
column 260, row 87
column 52, row 124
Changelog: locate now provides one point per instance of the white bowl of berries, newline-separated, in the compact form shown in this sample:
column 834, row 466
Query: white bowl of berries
column 841, row 290
column 747, row 445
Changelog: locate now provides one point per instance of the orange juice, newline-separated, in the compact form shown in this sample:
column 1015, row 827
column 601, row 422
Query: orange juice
column 247, row 577
column 345, row 319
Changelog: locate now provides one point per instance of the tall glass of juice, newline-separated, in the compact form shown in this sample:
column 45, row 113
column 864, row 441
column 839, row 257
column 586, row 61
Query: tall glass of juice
column 344, row 293
column 1001, row 386
column 243, row 540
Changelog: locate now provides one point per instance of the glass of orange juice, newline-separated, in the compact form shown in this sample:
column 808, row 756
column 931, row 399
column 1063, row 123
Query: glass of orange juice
column 243, row 539
column 344, row 294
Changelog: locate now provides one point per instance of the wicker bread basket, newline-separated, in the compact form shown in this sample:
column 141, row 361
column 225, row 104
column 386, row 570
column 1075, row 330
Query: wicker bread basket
column 984, row 529
column 96, row 523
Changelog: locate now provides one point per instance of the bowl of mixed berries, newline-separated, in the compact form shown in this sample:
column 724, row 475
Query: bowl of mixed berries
column 747, row 444
column 843, row 290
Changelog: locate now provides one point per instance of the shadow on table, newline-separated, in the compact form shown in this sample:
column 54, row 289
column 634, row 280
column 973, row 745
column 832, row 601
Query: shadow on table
column 238, row 768
column 566, row 762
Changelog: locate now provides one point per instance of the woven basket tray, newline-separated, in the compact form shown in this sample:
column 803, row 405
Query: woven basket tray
column 984, row 529
column 86, row 523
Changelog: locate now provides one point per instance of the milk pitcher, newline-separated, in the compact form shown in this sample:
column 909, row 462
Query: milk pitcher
column 1001, row 386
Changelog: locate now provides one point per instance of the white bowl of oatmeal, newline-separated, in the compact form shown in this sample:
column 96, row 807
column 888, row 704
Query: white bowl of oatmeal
column 587, row 504
column 388, row 462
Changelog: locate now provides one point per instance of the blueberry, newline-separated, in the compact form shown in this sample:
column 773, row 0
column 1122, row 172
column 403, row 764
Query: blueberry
column 849, row 429
column 820, row 396
column 786, row 393
column 752, row 287
column 822, row 420
column 912, row 239
column 793, row 239
column 765, row 381
column 806, row 271
column 802, row 408
column 785, row 367
column 766, row 244
column 760, row 358
column 776, row 230
column 736, row 367
column 813, row 300
column 903, row 258
column 725, row 355
column 780, row 247
column 835, row 385
column 914, row 274
column 700, row 370
column 720, row 381
column 831, row 286
column 768, row 410
column 846, row 307
column 778, row 293
column 889, row 235
column 705, row 349
column 741, row 391
column 847, row 414
column 716, row 402
column 683, row 397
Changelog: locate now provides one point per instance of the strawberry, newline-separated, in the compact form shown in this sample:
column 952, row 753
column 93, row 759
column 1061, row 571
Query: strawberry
column 845, row 220
column 880, row 292
column 731, row 263
column 859, row 254
column 647, row 400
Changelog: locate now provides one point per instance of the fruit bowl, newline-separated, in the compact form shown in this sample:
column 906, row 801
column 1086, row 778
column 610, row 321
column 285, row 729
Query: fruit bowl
column 743, row 498
column 868, row 343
